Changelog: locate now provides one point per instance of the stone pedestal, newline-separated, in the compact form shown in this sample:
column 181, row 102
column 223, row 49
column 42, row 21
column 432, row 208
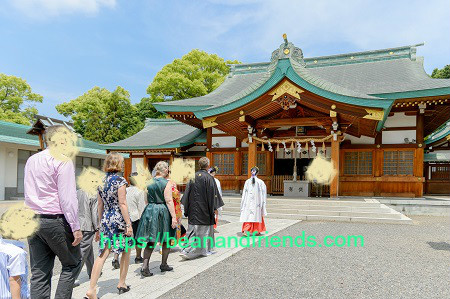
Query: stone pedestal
column 296, row 188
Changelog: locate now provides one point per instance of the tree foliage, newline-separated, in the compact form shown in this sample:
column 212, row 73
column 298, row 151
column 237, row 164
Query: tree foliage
column 103, row 116
column 195, row 74
column 443, row 73
column 17, row 100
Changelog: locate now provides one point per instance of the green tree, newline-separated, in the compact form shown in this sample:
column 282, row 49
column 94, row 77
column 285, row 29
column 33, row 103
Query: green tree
column 103, row 116
column 443, row 73
column 195, row 74
column 17, row 100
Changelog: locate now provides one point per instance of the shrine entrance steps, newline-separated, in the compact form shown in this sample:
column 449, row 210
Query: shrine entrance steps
column 364, row 210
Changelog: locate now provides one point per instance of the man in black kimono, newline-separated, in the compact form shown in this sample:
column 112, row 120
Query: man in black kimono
column 200, row 200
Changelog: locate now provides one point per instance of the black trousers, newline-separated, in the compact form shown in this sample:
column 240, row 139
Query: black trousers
column 53, row 238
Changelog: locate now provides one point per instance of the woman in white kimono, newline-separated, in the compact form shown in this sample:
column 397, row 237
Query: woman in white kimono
column 253, row 204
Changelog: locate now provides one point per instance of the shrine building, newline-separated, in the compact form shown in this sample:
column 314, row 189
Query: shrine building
column 380, row 119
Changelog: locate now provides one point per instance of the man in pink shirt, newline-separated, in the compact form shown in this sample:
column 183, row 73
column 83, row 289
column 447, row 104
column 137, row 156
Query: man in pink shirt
column 50, row 191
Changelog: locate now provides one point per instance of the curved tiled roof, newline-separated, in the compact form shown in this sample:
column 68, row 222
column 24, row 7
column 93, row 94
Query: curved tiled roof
column 160, row 134
column 362, row 78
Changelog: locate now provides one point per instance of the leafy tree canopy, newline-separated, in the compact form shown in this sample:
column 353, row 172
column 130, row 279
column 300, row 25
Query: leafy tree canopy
column 103, row 116
column 195, row 74
column 443, row 73
column 17, row 100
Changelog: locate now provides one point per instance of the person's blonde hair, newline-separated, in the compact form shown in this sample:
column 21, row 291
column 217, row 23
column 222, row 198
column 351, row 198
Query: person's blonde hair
column 161, row 168
column 113, row 163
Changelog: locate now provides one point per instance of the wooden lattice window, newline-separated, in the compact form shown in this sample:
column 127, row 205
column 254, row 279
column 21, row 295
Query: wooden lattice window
column 398, row 162
column 358, row 163
column 244, row 163
column 225, row 162
column 261, row 163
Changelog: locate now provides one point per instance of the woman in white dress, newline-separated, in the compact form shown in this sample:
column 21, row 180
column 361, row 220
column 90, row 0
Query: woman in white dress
column 253, row 204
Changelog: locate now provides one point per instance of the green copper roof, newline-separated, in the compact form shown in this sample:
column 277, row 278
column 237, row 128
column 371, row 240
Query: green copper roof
column 371, row 79
column 160, row 134
column 440, row 133
column 17, row 134
column 436, row 157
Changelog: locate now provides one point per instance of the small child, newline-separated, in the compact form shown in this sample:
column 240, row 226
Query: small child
column 13, row 270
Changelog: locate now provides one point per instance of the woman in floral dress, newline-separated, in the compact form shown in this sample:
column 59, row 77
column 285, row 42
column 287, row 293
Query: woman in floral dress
column 115, row 226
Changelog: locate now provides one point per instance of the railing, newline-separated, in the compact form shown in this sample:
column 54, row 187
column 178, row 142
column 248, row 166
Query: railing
column 278, row 186
column 278, row 183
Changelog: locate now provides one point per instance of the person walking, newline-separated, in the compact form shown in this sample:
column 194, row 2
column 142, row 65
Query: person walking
column 136, row 203
column 115, row 223
column 158, row 221
column 50, row 191
column 200, row 200
column 88, row 214
column 253, row 204
column 13, row 270
column 213, row 172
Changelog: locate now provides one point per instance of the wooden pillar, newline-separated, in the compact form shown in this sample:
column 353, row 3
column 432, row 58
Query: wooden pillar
column 209, row 138
column 237, row 170
column 41, row 141
column 420, row 119
column 379, row 138
column 334, row 187
column 128, row 167
column 171, row 159
column 145, row 162
column 252, row 156
column 420, row 127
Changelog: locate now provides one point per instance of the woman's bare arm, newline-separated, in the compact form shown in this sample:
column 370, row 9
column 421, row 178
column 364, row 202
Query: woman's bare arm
column 169, row 199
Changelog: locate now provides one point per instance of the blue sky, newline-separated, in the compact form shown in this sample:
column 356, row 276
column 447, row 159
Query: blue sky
column 65, row 47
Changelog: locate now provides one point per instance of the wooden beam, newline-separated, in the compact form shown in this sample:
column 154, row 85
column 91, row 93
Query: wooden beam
column 399, row 128
column 247, row 120
column 300, row 121
column 334, row 186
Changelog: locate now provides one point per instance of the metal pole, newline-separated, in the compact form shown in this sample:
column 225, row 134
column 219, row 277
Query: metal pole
column 295, row 159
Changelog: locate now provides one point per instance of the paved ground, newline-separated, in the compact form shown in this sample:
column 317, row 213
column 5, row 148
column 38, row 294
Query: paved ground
column 397, row 261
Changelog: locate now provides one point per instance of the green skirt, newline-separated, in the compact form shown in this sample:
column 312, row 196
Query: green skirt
column 155, row 224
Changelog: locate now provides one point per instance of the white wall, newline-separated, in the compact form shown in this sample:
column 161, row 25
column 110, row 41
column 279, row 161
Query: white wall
column 400, row 120
column 228, row 141
column 398, row 137
column 8, row 168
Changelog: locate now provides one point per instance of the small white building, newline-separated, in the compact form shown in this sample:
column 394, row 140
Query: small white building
column 17, row 145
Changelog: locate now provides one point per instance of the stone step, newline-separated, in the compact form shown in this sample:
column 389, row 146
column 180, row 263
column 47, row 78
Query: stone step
column 380, row 219
column 379, row 209
column 302, row 202
column 386, row 213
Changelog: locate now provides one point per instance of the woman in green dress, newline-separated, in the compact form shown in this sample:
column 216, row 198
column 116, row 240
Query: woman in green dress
column 158, row 221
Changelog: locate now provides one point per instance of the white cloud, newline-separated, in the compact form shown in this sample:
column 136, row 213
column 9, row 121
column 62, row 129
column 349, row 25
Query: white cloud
column 50, row 8
column 321, row 27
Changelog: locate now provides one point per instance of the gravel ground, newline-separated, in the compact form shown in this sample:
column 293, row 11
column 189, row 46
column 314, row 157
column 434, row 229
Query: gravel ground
column 397, row 261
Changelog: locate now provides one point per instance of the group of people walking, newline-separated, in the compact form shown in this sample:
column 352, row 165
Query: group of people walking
column 118, row 213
